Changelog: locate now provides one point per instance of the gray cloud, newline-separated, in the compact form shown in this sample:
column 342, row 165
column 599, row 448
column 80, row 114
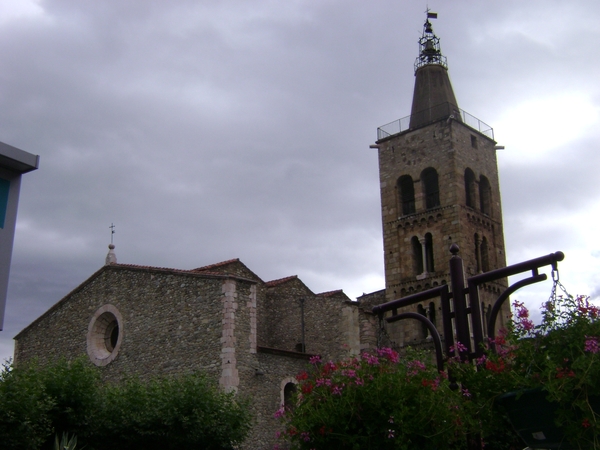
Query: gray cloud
column 212, row 130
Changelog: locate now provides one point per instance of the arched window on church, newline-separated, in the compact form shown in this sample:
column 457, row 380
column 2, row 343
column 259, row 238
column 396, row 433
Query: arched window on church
column 288, row 396
column 470, row 188
column 417, row 250
column 429, row 253
column 485, row 196
column 431, row 188
column 406, row 194
column 485, row 256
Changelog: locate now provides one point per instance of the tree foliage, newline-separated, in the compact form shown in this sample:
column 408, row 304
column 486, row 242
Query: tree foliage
column 171, row 413
column 25, row 421
column 39, row 402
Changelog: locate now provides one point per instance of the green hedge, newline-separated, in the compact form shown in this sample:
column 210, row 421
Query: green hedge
column 187, row 412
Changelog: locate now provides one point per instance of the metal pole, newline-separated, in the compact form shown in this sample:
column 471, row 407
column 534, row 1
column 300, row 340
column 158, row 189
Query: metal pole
column 457, row 281
column 302, row 324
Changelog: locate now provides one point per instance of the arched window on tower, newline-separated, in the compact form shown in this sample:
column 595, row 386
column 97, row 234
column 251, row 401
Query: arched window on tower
column 406, row 194
column 477, row 253
column 421, row 310
column 431, row 313
column 485, row 196
column 429, row 253
column 431, row 188
column 486, row 313
column 417, row 255
column 470, row 188
column 485, row 256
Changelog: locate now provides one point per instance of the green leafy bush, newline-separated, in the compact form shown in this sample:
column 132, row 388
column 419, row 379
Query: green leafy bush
column 25, row 421
column 187, row 412
column 38, row 403
column 560, row 356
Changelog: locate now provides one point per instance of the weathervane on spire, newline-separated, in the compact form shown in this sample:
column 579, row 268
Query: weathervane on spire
column 429, row 45
column 112, row 231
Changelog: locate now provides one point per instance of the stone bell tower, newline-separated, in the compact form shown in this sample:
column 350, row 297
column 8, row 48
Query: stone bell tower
column 439, row 186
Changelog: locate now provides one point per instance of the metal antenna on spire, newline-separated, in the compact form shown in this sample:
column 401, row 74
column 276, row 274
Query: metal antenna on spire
column 429, row 45
column 112, row 231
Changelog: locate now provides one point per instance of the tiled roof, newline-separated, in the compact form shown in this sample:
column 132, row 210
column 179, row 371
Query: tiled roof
column 163, row 269
column 273, row 283
column 136, row 266
column 330, row 293
column 214, row 266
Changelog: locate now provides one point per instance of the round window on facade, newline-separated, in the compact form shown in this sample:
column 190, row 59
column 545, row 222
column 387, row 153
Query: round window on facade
column 105, row 334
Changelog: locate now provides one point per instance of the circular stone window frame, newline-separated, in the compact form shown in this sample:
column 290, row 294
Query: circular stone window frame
column 100, row 348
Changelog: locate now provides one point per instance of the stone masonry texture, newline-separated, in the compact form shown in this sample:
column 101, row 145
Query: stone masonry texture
column 222, row 320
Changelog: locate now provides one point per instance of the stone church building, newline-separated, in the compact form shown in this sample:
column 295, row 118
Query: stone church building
column 439, row 186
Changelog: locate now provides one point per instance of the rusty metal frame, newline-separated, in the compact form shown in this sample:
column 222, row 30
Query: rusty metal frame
column 459, row 310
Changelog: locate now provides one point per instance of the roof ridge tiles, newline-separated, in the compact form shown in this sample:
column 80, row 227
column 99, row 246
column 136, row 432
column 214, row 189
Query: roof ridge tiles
column 279, row 281
column 330, row 293
column 212, row 266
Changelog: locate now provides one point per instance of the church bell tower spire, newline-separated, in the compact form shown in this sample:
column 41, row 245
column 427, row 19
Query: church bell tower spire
column 433, row 97
column 439, row 186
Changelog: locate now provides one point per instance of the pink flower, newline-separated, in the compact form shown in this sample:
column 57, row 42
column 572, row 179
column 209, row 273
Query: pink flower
column 522, row 312
column 279, row 413
column 587, row 309
column 388, row 353
column 337, row 390
column 415, row 367
column 591, row 344
column 349, row 373
column 372, row 360
column 305, row 436
column 329, row 367
column 459, row 347
column 315, row 359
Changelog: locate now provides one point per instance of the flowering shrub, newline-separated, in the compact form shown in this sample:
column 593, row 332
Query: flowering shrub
column 382, row 401
column 561, row 356
column 376, row 401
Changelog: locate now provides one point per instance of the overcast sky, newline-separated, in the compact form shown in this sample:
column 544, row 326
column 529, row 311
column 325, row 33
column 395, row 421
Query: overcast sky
column 210, row 130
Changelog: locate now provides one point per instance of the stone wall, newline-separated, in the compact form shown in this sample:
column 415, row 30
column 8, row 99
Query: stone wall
column 237, row 329
column 265, row 390
column 449, row 147
column 331, row 326
column 172, row 322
